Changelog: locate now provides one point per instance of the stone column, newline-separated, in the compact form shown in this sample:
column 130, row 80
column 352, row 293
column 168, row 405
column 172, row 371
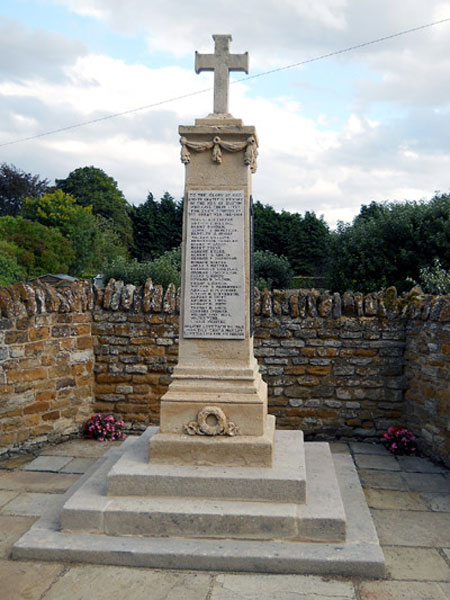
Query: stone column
column 215, row 410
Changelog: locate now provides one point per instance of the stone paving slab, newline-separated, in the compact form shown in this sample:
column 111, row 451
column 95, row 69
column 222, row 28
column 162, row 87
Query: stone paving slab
column 446, row 551
column 6, row 496
column 11, row 528
column 36, row 481
column 395, row 500
column 27, row 580
column 78, row 465
column 365, row 448
column 401, row 590
column 437, row 502
column 80, row 448
column 104, row 583
column 411, row 528
column 47, row 463
column 383, row 480
column 280, row 587
column 423, row 564
column 31, row 504
column 376, row 461
column 416, row 464
column 14, row 462
column 339, row 447
column 424, row 482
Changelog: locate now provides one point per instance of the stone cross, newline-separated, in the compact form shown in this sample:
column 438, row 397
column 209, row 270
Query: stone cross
column 221, row 62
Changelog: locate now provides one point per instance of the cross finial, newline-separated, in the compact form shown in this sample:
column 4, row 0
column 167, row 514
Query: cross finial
column 221, row 62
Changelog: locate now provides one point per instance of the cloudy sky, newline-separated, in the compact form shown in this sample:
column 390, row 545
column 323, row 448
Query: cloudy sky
column 371, row 124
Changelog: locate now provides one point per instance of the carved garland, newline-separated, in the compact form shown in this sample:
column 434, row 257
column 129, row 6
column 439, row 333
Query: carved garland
column 220, row 426
column 217, row 145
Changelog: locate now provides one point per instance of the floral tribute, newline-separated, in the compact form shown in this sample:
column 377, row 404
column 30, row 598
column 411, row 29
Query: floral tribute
column 104, row 428
column 400, row 441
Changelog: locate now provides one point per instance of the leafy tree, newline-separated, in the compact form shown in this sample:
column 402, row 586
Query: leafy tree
column 388, row 243
column 37, row 249
column 157, row 226
column 271, row 271
column 15, row 185
column 10, row 270
column 93, row 238
column 304, row 241
column 91, row 186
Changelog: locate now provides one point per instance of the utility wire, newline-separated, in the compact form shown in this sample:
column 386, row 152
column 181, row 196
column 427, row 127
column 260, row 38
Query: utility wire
column 249, row 77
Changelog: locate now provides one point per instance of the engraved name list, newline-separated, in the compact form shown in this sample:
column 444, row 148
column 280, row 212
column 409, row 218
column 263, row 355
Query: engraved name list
column 214, row 299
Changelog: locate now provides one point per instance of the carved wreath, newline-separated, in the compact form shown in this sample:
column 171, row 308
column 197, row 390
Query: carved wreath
column 220, row 425
column 217, row 145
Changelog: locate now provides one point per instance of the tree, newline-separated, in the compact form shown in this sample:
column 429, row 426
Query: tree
column 304, row 241
column 15, row 185
column 92, row 237
column 157, row 226
column 388, row 244
column 271, row 271
column 91, row 186
column 37, row 249
column 10, row 270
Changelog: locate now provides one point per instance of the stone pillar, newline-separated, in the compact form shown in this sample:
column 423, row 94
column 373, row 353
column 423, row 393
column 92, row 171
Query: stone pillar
column 215, row 410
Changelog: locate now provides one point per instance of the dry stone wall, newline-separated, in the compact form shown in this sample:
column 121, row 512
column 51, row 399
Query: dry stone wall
column 336, row 365
column 46, row 363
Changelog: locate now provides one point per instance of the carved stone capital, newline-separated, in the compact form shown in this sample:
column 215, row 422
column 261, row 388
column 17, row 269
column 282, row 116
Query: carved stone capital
column 217, row 144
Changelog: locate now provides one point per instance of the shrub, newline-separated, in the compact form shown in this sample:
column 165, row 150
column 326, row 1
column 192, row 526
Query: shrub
column 435, row 279
column 163, row 270
column 271, row 271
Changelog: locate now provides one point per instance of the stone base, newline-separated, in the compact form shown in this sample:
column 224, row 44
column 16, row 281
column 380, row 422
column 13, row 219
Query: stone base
column 85, row 506
column 239, row 451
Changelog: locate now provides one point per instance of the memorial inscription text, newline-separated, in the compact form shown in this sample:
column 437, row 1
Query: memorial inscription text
column 214, row 300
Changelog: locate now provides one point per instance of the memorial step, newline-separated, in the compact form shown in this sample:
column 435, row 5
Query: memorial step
column 322, row 518
column 285, row 481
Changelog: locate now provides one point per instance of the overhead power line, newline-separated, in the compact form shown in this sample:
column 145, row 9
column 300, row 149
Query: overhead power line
column 247, row 78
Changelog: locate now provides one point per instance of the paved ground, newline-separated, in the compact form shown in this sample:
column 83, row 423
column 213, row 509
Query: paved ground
column 409, row 499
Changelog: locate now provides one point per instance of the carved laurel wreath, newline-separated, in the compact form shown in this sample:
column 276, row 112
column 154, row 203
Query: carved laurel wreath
column 217, row 145
column 221, row 426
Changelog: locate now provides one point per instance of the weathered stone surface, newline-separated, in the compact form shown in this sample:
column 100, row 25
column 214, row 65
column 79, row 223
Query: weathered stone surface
column 103, row 583
column 37, row 481
column 389, row 499
column 415, row 564
column 407, row 528
column 379, row 462
column 31, row 504
column 11, row 528
column 399, row 590
column 384, row 480
column 27, row 581
column 282, row 587
column 437, row 502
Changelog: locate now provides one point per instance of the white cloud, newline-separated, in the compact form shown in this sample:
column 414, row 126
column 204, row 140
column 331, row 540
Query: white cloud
column 331, row 160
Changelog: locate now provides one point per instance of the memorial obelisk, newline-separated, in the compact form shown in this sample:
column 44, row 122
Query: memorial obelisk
column 215, row 410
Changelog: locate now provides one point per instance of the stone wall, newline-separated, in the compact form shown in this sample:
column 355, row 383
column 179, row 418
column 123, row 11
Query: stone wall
column 337, row 366
column 427, row 397
column 46, row 363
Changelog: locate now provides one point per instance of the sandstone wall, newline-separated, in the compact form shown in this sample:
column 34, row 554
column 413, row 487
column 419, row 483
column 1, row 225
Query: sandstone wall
column 46, row 363
column 337, row 366
column 427, row 397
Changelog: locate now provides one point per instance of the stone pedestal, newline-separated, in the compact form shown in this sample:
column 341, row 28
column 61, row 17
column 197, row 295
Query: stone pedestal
column 215, row 410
